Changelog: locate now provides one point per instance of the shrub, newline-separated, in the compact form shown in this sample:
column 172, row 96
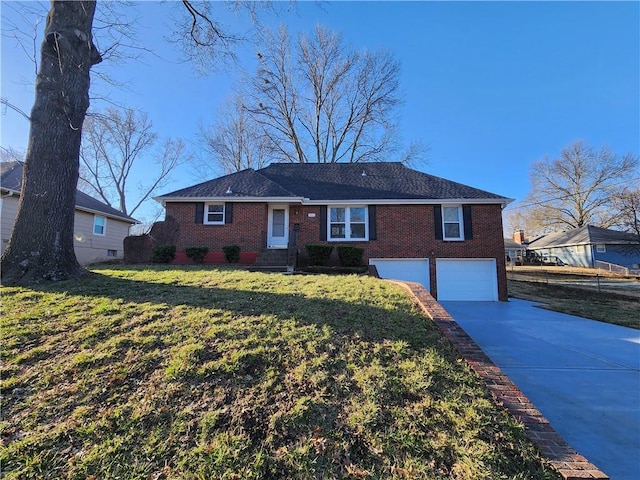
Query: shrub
column 319, row 254
column 231, row 253
column 350, row 256
column 164, row 254
column 196, row 253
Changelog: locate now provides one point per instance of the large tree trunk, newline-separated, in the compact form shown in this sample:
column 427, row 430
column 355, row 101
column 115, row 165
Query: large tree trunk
column 41, row 244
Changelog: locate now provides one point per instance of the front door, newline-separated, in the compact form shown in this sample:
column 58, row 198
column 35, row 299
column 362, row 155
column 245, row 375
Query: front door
column 278, row 231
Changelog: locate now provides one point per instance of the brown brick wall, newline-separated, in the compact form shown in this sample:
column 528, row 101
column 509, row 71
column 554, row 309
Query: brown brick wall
column 408, row 231
column 403, row 231
column 248, row 229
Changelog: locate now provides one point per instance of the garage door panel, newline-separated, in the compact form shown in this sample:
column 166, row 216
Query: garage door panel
column 406, row 269
column 467, row 279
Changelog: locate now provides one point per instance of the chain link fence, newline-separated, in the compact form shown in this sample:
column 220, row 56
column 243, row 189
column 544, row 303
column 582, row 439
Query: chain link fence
column 577, row 277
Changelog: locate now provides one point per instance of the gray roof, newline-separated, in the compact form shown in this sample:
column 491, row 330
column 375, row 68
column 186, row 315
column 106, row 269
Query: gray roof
column 11, row 175
column 247, row 183
column 585, row 235
column 335, row 181
column 11, row 179
column 511, row 244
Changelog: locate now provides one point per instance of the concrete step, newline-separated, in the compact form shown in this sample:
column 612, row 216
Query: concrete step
column 269, row 257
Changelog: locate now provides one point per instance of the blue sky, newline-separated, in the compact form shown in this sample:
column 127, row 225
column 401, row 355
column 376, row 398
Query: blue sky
column 489, row 86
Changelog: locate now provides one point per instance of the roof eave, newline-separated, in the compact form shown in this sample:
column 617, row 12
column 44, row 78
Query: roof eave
column 10, row 191
column 412, row 201
column 576, row 244
column 132, row 221
column 368, row 201
column 164, row 200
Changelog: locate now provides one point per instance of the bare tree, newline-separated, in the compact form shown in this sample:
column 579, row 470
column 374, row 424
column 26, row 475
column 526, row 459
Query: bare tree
column 524, row 216
column 114, row 28
column 234, row 142
column 323, row 102
column 10, row 154
column 41, row 244
column 627, row 203
column 578, row 187
column 113, row 144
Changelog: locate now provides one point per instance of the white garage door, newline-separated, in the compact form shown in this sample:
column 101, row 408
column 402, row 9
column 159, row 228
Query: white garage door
column 409, row 269
column 467, row 279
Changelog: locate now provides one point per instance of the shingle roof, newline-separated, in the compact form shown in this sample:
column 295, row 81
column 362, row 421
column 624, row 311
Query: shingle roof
column 336, row 181
column 585, row 235
column 11, row 179
column 11, row 175
column 510, row 243
column 247, row 183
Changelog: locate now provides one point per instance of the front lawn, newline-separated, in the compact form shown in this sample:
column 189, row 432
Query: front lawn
column 198, row 373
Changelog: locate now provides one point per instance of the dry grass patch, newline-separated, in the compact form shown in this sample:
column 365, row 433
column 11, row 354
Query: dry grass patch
column 197, row 373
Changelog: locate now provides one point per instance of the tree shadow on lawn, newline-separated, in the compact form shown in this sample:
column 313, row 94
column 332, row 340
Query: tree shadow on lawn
column 393, row 321
column 272, row 367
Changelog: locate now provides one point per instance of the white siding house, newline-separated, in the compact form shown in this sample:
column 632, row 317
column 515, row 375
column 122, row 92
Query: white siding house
column 99, row 230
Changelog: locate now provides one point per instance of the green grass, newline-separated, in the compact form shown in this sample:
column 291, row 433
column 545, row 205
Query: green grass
column 615, row 308
column 198, row 373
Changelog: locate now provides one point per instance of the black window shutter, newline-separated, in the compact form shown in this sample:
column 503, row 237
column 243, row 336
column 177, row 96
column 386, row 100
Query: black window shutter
column 466, row 217
column 437, row 219
column 373, row 234
column 228, row 212
column 323, row 222
column 199, row 212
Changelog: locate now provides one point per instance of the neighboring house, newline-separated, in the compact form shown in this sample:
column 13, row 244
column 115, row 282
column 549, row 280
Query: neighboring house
column 587, row 245
column 412, row 226
column 513, row 251
column 99, row 229
column 515, row 248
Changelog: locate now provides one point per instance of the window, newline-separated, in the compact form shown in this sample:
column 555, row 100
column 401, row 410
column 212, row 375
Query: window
column 348, row 223
column 99, row 225
column 112, row 253
column 601, row 248
column 214, row 214
column 452, row 223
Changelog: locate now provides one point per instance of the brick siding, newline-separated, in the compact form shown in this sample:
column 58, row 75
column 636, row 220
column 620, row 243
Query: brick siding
column 403, row 231
column 248, row 229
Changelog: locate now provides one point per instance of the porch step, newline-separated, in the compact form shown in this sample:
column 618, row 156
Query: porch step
column 271, row 258
column 269, row 269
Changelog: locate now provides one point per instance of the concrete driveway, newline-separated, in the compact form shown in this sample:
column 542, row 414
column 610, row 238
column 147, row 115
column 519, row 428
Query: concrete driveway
column 583, row 375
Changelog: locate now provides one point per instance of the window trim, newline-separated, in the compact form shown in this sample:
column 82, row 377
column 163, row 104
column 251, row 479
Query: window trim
column 347, row 222
column 104, row 225
column 205, row 216
column 460, row 223
column 601, row 248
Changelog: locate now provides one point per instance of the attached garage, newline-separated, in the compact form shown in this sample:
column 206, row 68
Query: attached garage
column 407, row 269
column 467, row 279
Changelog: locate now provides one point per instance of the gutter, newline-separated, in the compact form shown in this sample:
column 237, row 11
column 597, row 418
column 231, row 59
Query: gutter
column 132, row 221
column 10, row 193
column 306, row 201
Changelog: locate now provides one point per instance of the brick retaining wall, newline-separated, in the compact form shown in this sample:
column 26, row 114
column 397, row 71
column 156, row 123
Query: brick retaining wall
column 569, row 463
